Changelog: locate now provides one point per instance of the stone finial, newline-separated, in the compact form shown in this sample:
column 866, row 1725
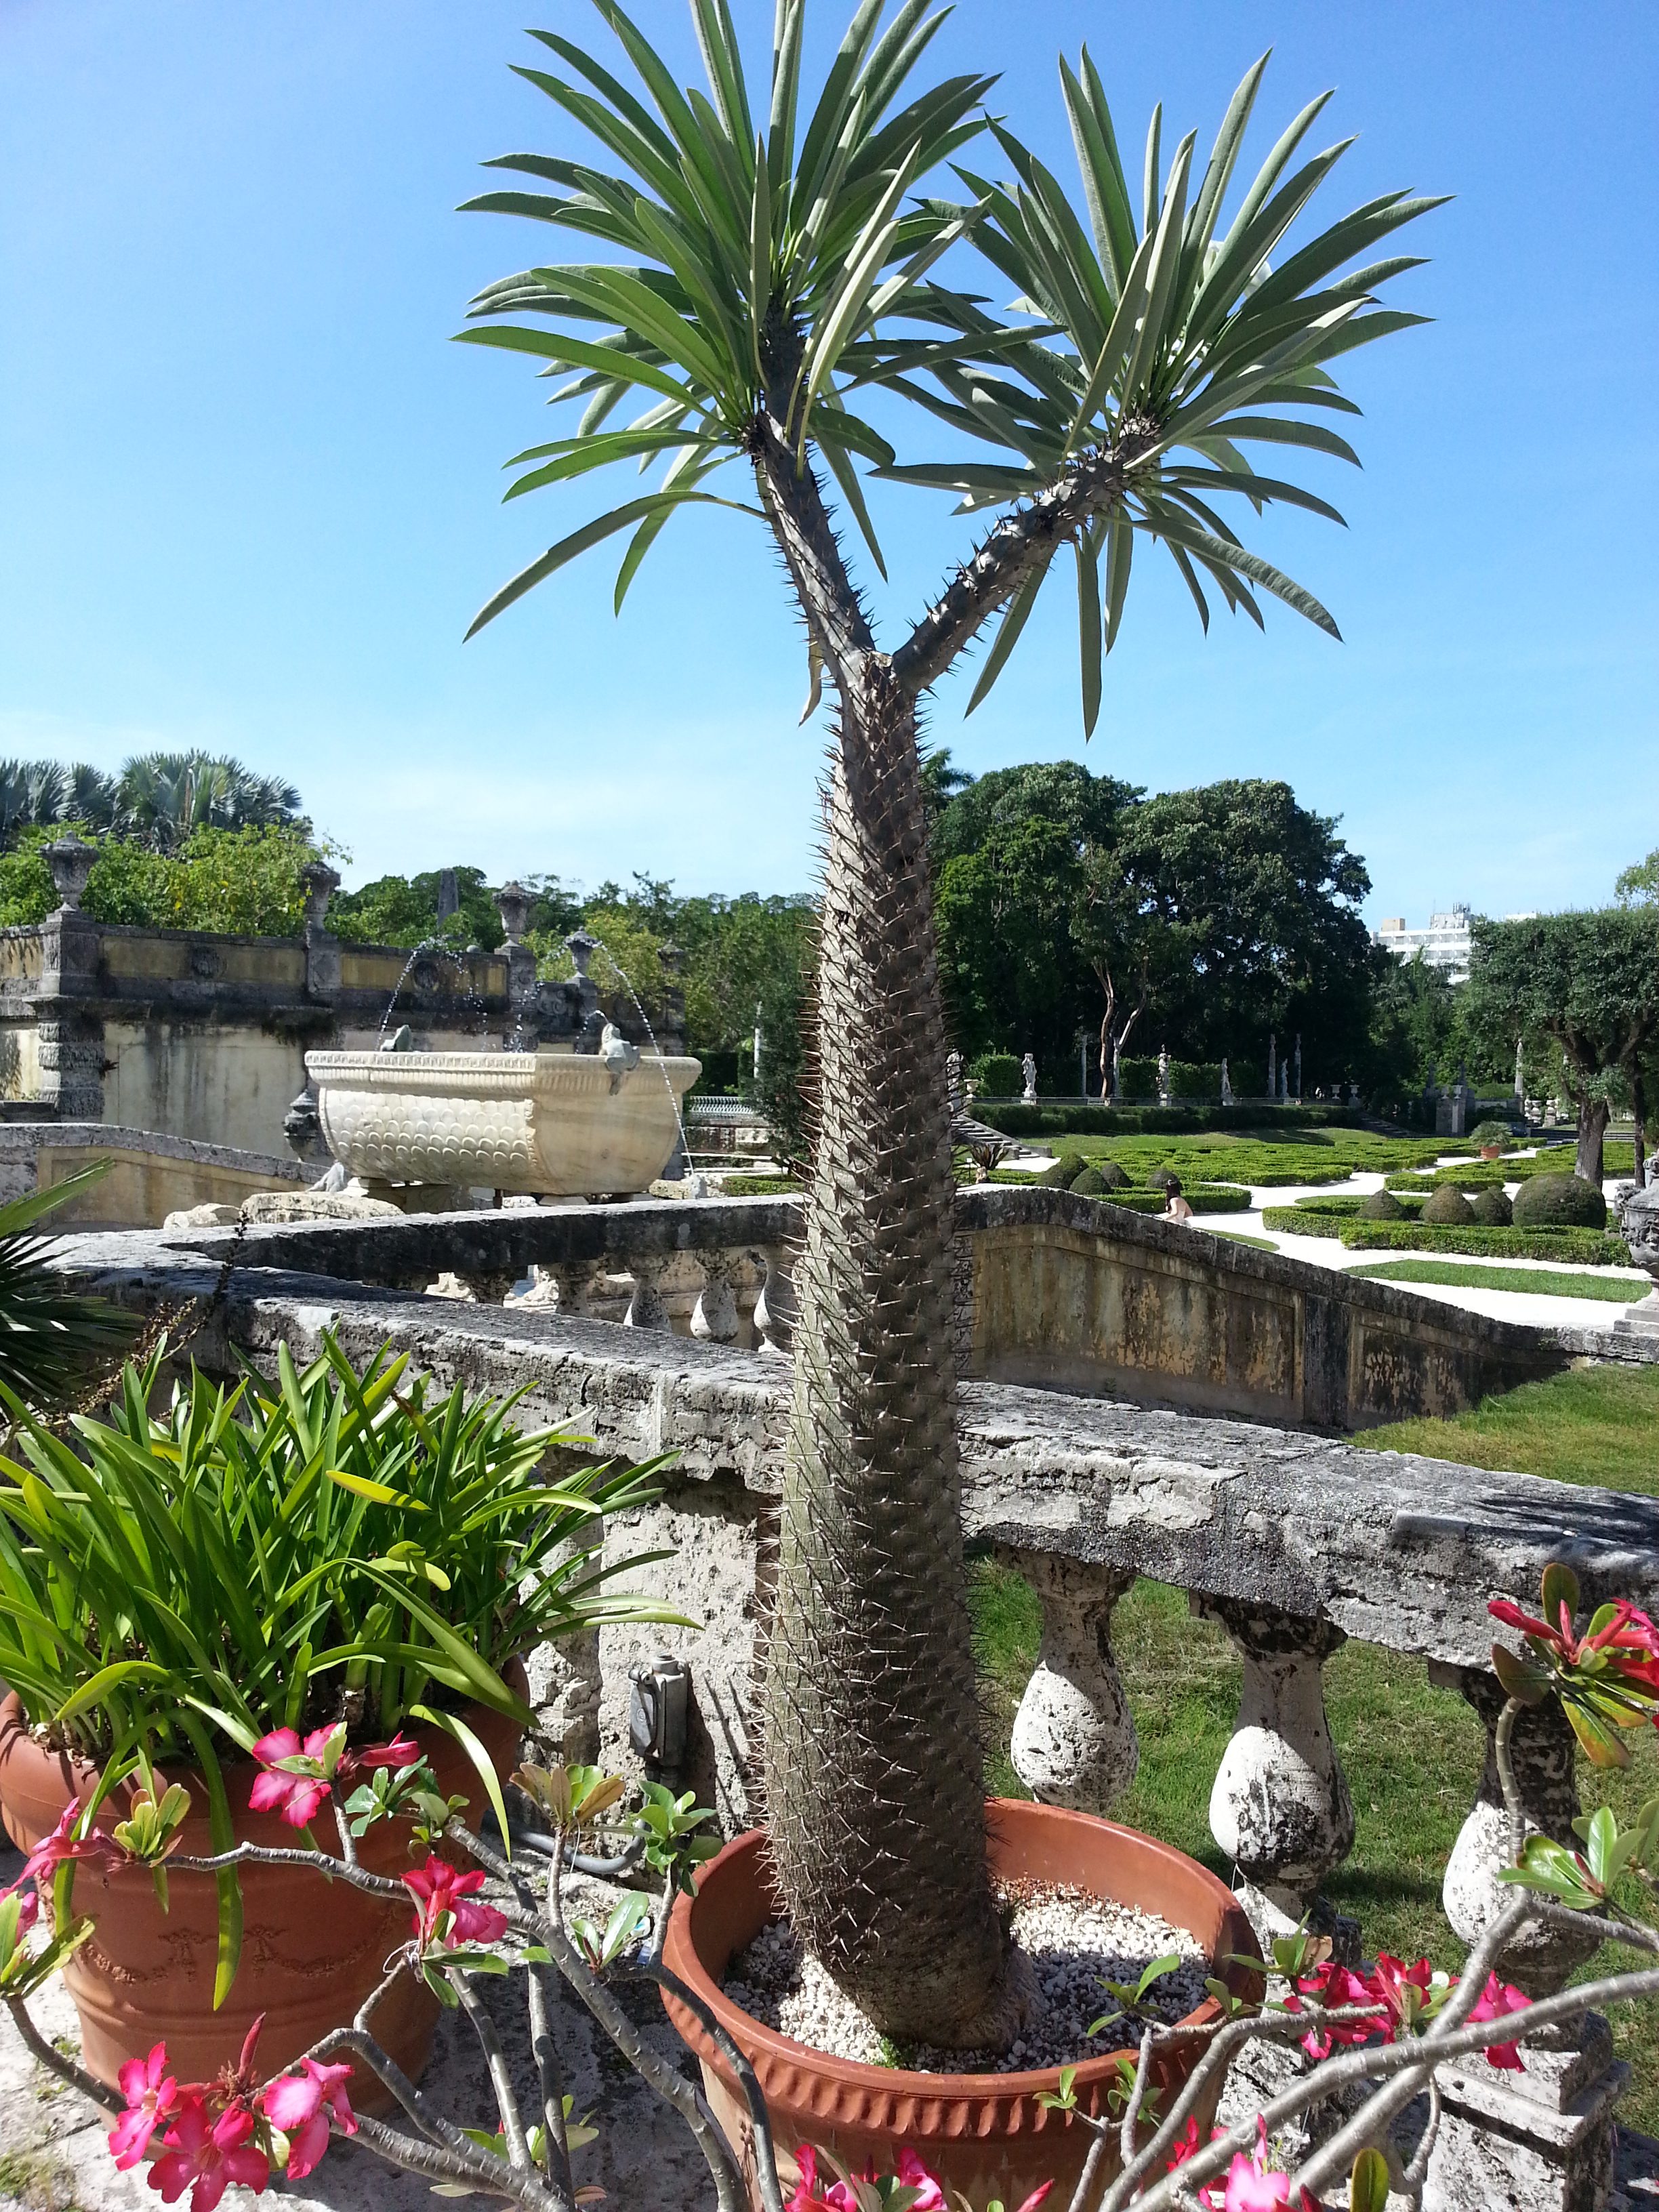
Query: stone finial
column 512, row 903
column 70, row 859
column 321, row 882
column 582, row 948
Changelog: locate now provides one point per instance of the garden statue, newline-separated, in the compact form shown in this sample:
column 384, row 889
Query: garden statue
column 1028, row 1076
column 953, row 1080
column 1520, row 1076
column 1272, row 1066
column 1226, row 1084
column 1299, row 1064
column 1163, row 1075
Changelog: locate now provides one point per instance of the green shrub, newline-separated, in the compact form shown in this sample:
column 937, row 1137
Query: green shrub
column 1584, row 1248
column 1202, row 1197
column 1299, row 1221
column 1064, row 1171
column 239, row 882
column 1492, row 1209
column 1559, row 1201
column 1112, row 1174
column 1090, row 1184
column 1490, row 1133
column 1382, row 1205
column 1448, row 1208
column 1161, row 1178
column 1477, row 1174
column 997, row 1075
column 1138, row 1078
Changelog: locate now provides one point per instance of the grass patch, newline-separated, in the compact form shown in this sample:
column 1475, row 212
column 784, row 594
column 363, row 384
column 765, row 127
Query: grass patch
column 1523, row 1280
column 1243, row 1237
column 1411, row 1754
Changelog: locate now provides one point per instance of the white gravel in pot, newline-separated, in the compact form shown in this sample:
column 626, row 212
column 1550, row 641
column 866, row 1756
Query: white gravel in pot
column 1074, row 1942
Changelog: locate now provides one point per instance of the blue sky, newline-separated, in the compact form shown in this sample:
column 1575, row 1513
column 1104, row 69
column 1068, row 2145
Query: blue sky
column 250, row 488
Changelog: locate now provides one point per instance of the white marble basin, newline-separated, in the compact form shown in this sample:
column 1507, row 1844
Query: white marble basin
column 556, row 1124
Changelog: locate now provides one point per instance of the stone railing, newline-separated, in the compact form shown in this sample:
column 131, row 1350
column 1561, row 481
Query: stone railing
column 1292, row 1541
column 1054, row 1289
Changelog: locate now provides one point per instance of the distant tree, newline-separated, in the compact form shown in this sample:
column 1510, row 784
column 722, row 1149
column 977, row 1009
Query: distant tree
column 1638, row 885
column 1258, row 899
column 940, row 782
column 1585, row 982
column 160, row 799
column 1417, row 1024
column 241, row 882
column 404, row 910
column 1122, row 944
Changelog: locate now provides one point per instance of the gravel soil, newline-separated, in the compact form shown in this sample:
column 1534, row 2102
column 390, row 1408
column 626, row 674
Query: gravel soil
column 1074, row 1942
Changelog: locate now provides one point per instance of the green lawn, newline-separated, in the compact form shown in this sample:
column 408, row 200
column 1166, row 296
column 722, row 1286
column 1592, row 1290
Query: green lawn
column 1597, row 1426
column 1534, row 1282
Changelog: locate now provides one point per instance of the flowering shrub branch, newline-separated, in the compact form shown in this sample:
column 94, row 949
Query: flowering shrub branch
column 1388, row 2024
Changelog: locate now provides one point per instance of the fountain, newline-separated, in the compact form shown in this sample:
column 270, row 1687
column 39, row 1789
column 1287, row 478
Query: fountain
column 422, row 1127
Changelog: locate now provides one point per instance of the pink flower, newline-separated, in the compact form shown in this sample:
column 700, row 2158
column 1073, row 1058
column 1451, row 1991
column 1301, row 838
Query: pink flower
column 1030, row 2203
column 441, row 1890
column 1336, row 1988
column 400, row 1752
column 63, row 1846
column 297, row 1776
column 930, row 2198
column 1252, row 2185
column 302, row 2105
column 1497, row 1999
column 28, row 1907
column 203, row 2157
column 152, row 2096
column 838, row 2197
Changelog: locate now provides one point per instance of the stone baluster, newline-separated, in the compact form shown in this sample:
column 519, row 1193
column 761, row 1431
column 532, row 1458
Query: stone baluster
column 1280, row 1808
column 1542, row 2138
column 488, row 1286
column 775, row 1308
column 1074, row 1741
column 714, row 1316
column 645, row 1306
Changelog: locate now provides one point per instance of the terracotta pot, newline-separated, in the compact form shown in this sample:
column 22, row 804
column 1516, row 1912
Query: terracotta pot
column 312, row 1949
column 984, row 2133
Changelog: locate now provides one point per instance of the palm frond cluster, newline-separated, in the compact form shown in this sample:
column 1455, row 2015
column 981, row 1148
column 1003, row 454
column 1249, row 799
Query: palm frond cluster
column 156, row 800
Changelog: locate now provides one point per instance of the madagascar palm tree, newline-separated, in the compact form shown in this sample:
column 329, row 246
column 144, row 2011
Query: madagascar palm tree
column 768, row 266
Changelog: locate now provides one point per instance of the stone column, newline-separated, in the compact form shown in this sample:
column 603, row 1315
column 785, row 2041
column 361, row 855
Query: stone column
column 512, row 903
column 1542, row 2138
column 714, row 1316
column 775, row 1308
column 645, row 1309
column 1280, row 1808
column 322, row 946
column 71, row 1031
column 1074, row 1741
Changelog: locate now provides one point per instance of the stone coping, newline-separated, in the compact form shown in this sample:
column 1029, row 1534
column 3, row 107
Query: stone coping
column 20, row 1139
column 1399, row 1549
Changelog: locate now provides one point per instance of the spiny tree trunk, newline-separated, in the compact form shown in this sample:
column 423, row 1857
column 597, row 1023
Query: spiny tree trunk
column 1592, row 1116
column 875, row 1793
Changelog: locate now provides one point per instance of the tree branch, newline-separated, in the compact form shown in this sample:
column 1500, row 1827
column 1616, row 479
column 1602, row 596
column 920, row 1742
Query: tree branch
column 1017, row 545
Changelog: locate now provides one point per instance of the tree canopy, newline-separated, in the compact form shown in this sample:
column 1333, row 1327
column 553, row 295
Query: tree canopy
column 1232, row 906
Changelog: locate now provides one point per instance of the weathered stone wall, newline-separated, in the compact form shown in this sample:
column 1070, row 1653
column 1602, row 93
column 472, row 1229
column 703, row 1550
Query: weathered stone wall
column 151, row 1174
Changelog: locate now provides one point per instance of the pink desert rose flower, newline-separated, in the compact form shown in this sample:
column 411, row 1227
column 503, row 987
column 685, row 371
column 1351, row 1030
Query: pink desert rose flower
column 302, row 2105
column 1497, row 1999
column 1252, row 2185
column 28, row 1907
column 908, row 2170
column 400, row 1752
column 297, row 1792
column 440, row 1889
column 203, row 2156
column 152, row 2096
column 62, row 1845
column 1629, row 1641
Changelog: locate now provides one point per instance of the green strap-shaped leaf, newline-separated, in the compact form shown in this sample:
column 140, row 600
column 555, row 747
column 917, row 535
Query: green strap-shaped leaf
column 454, row 1725
column 591, row 533
column 1007, row 635
column 223, row 1832
column 1086, row 547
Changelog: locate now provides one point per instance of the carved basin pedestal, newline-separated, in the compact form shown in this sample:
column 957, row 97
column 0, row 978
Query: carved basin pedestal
column 548, row 1124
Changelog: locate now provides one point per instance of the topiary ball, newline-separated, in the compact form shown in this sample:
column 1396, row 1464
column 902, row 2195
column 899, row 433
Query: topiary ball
column 1161, row 1178
column 1090, row 1184
column 1559, row 1201
column 1449, row 1208
column 1492, row 1209
column 1382, row 1205
column 1064, row 1171
column 1111, row 1174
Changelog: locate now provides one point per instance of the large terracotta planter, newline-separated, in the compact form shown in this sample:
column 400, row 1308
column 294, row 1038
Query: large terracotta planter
column 312, row 1949
column 1491, row 1151
column 984, row 2133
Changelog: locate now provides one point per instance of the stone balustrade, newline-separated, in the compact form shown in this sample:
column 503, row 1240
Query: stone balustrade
column 1292, row 1540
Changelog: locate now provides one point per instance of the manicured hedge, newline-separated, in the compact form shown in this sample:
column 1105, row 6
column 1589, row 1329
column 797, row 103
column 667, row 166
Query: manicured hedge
column 1345, row 1205
column 1586, row 1248
column 1079, row 1117
column 1202, row 1197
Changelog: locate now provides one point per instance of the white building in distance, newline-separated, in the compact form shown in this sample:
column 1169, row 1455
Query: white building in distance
column 1446, row 943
